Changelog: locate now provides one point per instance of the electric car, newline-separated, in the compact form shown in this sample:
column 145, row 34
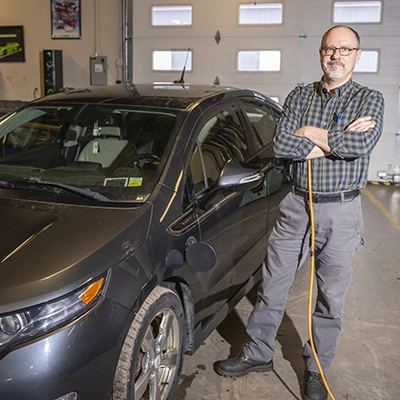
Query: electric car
column 133, row 219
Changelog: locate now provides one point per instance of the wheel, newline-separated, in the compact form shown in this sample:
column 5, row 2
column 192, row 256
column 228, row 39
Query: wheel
column 152, row 354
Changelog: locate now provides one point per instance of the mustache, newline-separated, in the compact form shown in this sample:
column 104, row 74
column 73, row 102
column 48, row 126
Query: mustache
column 333, row 62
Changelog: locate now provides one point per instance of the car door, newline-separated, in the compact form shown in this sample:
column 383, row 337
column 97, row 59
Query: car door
column 231, row 223
column 263, row 119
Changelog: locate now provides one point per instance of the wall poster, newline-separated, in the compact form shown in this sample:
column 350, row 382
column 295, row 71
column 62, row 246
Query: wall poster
column 12, row 44
column 66, row 19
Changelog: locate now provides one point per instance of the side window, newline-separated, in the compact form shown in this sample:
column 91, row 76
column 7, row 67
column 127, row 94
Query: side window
column 196, row 167
column 263, row 121
column 220, row 139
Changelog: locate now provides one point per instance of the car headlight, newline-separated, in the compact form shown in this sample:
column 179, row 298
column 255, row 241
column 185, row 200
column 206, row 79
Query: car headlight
column 36, row 321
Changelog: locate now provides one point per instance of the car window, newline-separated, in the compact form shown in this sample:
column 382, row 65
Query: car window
column 221, row 138
column 263, row 121
column 120, row 151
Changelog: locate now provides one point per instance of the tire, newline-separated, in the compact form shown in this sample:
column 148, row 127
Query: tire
column 151, row 358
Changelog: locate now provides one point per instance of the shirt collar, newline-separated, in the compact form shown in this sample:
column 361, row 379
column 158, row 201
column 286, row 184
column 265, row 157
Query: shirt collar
column 340, row 91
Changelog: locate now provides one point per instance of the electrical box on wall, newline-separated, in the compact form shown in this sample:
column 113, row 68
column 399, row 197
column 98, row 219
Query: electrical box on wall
column 51, row 71
column 98, row 70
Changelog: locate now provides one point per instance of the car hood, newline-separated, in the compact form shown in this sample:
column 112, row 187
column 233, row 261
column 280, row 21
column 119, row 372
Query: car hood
column 49, row 250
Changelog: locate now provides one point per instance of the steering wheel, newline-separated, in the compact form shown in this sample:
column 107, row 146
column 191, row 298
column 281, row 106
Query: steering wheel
column 149, row 158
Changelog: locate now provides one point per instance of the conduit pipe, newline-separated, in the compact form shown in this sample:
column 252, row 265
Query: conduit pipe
column 127, row 38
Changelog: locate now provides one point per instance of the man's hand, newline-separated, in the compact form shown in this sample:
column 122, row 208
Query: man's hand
column 361, row 124
column 316, row 135
column 316, row 152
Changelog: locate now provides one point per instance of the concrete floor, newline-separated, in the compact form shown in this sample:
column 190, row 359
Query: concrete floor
column 367, row 362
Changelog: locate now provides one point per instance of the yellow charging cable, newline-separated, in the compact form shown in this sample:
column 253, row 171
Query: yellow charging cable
column 312, row 272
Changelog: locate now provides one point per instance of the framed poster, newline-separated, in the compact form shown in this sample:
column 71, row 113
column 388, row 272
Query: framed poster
column 12, row 44
column 66, row 19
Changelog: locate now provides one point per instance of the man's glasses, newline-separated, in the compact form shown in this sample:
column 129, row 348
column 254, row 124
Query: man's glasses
column 344, row 51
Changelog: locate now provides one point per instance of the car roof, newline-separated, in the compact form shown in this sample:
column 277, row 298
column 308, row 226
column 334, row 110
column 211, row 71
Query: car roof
column 171, row 95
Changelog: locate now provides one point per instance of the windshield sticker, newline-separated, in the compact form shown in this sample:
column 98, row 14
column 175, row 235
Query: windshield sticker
column 135, row 182
column 116, row 182
column 121, row 181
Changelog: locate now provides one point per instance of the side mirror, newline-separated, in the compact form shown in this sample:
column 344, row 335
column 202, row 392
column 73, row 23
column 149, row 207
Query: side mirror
column 237, row 176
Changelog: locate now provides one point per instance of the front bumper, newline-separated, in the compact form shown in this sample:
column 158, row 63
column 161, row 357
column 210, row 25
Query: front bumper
column 80, row 357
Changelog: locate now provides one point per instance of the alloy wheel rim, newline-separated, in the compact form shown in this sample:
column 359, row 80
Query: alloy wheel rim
column 160, row 350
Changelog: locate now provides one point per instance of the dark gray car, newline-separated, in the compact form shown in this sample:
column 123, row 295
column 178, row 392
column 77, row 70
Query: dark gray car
column 133, row 219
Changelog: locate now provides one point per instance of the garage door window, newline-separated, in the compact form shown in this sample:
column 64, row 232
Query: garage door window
column 357, row 11
column 368, row 62
column 172, row 60
column 260, row 13
column 179, row 15
column 260, row 60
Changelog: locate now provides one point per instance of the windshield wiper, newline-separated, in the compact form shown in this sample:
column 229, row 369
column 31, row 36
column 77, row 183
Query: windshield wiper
column 6, row 184
column 90, row 194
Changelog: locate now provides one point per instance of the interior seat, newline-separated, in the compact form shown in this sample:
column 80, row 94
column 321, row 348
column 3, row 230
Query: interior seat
column 105, row 148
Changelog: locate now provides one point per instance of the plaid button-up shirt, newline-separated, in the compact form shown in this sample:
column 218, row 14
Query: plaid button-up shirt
column 346, row 167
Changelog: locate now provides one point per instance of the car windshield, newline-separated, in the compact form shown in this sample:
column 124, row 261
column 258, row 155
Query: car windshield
column 117, row 151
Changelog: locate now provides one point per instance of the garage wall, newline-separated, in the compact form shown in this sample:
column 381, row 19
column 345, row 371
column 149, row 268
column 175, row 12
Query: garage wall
column 101, row 34
column 300, row 59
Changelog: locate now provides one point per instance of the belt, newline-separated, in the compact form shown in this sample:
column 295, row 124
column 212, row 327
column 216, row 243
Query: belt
column 338, row 197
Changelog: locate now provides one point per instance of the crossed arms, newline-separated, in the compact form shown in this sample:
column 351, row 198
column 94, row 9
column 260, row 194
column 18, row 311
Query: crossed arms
column 319, row 136
column 300, row 140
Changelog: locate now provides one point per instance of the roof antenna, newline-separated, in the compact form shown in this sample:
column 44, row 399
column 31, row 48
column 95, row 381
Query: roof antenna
column 181, row 80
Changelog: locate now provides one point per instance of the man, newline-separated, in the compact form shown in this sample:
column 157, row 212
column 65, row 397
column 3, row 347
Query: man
column 336, row 123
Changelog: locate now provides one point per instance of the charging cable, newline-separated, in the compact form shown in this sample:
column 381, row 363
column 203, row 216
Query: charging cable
column 312, row 272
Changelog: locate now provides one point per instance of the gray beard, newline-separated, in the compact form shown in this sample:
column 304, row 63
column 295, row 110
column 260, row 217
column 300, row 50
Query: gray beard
column 334, row 75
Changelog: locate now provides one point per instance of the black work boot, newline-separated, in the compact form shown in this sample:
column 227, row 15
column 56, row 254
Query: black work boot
column 241, row 365
column 315, row 388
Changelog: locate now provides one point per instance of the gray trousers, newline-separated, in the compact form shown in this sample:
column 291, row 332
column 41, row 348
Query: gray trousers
column 338, row 235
